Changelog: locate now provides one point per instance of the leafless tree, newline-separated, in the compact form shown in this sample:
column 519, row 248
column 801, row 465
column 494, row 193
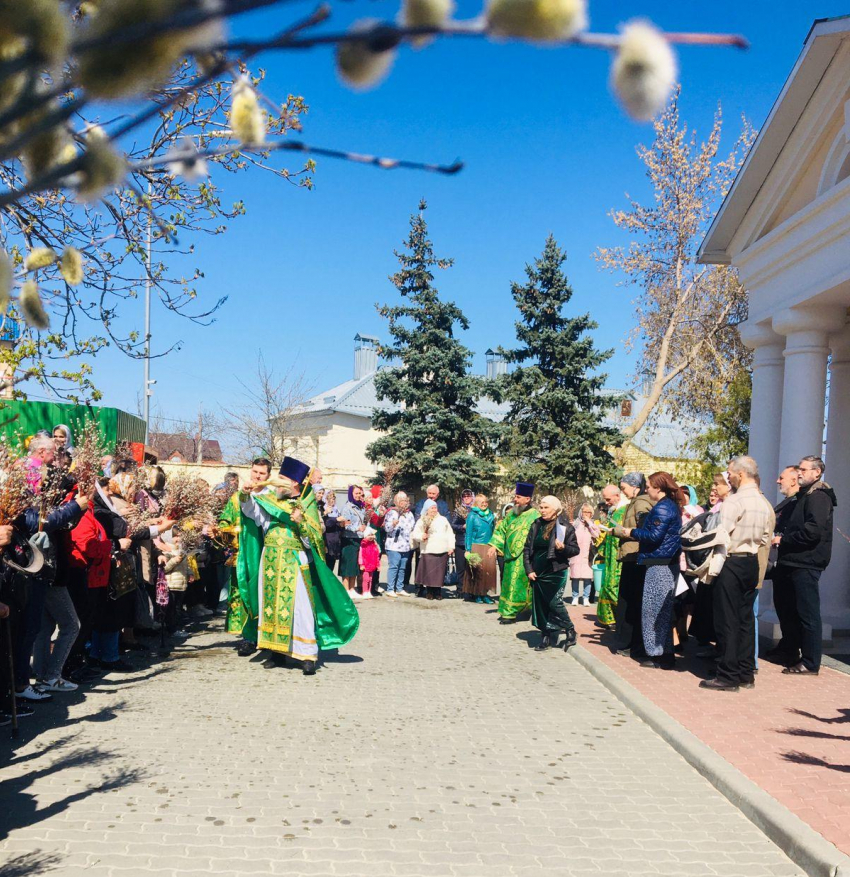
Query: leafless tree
column 267, row 420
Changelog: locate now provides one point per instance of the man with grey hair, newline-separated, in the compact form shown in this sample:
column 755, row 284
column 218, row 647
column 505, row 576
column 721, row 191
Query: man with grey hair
column 805, row 549
column 748, row 519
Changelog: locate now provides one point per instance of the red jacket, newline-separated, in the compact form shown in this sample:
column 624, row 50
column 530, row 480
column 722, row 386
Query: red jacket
column 91, row 550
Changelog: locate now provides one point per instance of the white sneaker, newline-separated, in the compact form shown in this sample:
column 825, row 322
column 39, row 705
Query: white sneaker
column 390, row 594
column 367, row 597
column 354, row 595
column 30, row 693
column 583, row 601
column 403, row 594
column 59, row 684
column 574, row 601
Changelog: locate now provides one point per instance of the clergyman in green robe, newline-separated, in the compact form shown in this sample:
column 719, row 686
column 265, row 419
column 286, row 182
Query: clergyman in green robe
column 509, row 540
column 302, row 607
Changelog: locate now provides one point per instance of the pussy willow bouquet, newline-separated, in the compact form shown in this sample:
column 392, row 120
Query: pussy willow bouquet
column 472, row 559
column 15, row 493
column 188, row 499
column 88, row 457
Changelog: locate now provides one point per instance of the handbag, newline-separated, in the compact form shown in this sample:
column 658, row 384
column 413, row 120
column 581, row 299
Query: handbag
column 451, row 572
column 122, row 575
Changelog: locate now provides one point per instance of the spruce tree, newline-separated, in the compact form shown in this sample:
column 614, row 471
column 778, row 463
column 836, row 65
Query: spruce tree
column 432, row 432
column 557, row 438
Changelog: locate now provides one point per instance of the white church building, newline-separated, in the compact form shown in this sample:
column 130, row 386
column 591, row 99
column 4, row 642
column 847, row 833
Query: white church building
column 785, row 225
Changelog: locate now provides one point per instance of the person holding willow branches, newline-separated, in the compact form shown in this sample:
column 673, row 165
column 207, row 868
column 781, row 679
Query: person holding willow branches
column 303, row 607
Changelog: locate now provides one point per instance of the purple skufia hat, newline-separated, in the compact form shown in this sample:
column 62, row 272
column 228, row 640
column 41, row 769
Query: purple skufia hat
column 294, row 469
column 524, row 488
column 358, row 502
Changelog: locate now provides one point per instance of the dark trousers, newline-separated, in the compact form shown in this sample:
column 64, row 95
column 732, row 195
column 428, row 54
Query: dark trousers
column 629, row 607
column 702, row 622
column 460, row 565
column 734, row 596
column 784, row 601
column 31, row 624
column 806, row 627
column 212, row 589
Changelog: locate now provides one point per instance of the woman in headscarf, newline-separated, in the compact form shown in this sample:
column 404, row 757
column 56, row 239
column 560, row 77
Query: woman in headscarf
column 333, row 530
column 435, row 538
column 481, row 578
column 63, row 438
column 353, row 518
column 550, row 544
column 458, row 519
column 630, row 593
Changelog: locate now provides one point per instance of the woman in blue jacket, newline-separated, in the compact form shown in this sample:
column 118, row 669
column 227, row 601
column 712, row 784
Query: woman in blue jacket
column 659, row 552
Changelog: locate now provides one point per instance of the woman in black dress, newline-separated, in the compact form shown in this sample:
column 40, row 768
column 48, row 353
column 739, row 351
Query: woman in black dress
column 550, row 544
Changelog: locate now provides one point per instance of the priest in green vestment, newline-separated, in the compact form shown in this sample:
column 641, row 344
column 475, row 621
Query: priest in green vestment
column 302, row 606
column 243, row 596
column 509, row 540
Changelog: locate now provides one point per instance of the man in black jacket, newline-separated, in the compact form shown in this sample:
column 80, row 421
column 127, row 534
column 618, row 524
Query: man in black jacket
column 805, row 548
column 783, row 592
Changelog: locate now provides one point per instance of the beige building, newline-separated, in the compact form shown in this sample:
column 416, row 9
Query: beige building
column 336, row 426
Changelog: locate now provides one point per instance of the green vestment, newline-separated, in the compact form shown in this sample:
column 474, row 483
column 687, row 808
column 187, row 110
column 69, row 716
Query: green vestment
column 509, row 540
column 242, row 597
column 609, row 593
column 276, row 556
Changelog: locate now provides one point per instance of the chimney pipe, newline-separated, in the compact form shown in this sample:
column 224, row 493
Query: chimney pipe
column 496, row 365
column 365, row 355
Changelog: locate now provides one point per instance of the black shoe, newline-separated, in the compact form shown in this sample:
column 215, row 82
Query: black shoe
column 246, row 648
column 656, row 664
column 570, row 641
column 507, row 621
column 118, row 667
column 22, row 709
column 135, row 647
column 547, row 641
column 82, row 675
column 747, row 684
column 623, row 653
column 715, row 684
column 309, row 668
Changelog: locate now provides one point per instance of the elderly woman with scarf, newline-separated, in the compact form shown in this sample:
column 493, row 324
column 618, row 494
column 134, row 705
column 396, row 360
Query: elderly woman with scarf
column 435, row 538
column 112, row 502
column 458, row 519
column 354, row 519
column 550, row 544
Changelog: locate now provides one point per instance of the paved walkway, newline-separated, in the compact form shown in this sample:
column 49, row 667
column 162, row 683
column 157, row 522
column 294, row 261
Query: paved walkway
column 439, row 743
column 790, row 735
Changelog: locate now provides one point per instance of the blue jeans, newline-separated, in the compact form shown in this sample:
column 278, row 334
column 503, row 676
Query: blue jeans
column 397, row 564
column 581, row 587
column 104, row 646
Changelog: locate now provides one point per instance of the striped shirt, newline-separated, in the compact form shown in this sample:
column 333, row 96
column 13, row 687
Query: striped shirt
column 748, row 518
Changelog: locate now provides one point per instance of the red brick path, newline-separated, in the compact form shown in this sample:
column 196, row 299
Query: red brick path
column 790, row 735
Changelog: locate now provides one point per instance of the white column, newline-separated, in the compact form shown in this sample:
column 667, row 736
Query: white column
column 768, row 377
column 806, row 330
column 835, row 583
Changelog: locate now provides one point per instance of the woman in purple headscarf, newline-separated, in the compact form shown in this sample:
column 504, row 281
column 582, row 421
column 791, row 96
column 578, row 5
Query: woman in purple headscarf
column 353, row 518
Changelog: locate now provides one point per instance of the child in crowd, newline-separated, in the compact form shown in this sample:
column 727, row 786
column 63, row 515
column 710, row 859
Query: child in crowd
column 369, row 560
column 581, row 573
column 175, row 562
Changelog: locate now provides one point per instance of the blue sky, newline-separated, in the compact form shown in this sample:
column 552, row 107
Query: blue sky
column 546, row 150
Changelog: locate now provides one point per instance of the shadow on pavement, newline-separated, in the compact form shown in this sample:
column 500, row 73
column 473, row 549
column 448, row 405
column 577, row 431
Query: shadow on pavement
column 30, row 863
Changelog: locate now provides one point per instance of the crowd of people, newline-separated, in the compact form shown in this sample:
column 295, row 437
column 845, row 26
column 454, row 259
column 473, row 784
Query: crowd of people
column 92, row 566
column 92, row 563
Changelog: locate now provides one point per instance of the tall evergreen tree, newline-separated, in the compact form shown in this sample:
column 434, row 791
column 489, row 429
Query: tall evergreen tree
column 557, row 436
column 432, row 432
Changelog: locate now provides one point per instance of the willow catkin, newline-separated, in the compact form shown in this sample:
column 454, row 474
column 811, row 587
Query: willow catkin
column 542, row 20
column 644, row 71
column 358, row 64
column 32, row 307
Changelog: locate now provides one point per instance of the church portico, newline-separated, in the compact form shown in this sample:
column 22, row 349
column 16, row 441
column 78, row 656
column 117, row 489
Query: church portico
column 785, row 225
